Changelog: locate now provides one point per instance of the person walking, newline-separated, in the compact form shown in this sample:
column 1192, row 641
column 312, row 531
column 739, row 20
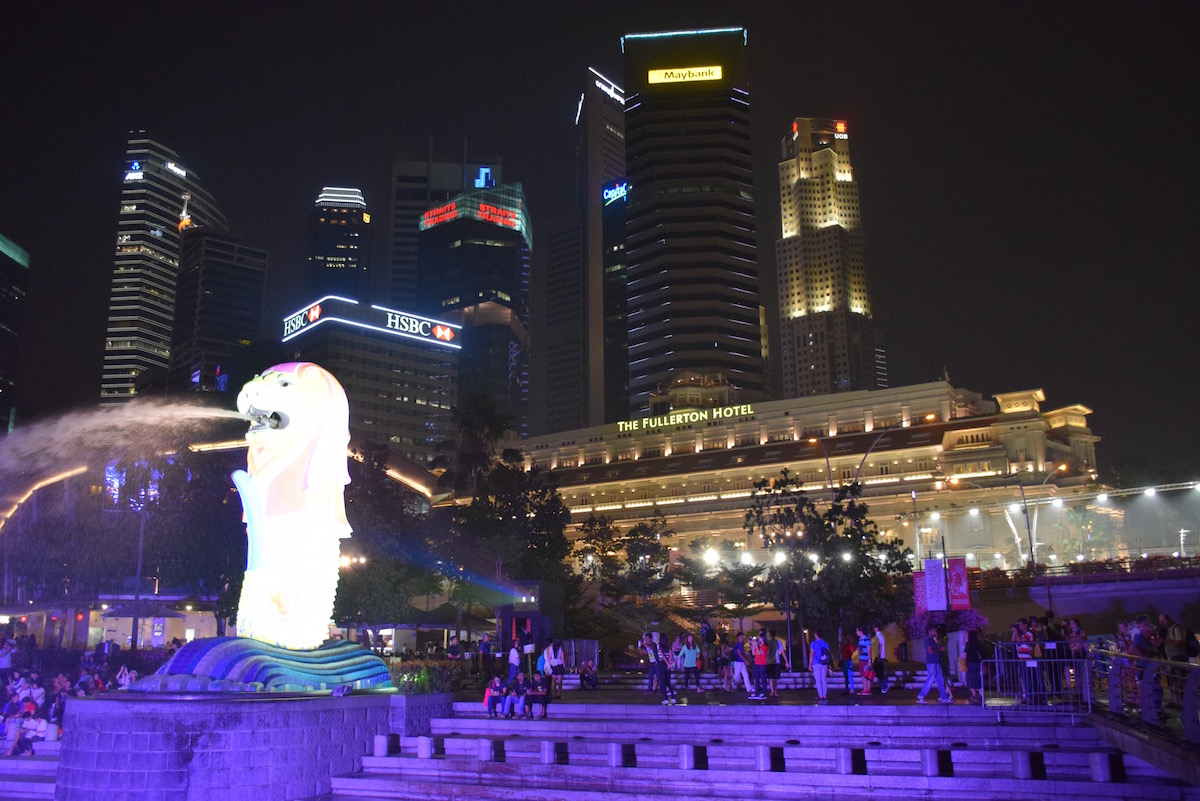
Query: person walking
column 864, row 660
column 738, row 661
column 650, row 649
column 759, row 652
column 665, row 664
column 880, row 663
column 973, row 652
column 933, row 668
column 818, row 660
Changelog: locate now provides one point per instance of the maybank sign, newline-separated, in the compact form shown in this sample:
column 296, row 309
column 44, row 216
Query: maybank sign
column 685, row 417
column 685, row 74
column 347, row 311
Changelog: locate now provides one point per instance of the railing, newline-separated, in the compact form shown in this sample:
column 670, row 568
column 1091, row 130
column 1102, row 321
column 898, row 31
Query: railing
column 1048, row 680
column 1156, row 693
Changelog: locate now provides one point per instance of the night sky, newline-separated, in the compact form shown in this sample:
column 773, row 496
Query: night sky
column 1028, row 172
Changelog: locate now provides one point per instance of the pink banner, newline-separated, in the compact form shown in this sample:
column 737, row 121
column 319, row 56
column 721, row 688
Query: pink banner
column 960, row 595
column 919, row 593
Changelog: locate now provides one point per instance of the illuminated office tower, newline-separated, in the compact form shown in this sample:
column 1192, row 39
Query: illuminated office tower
column 580, row 369
column 828, row 340
column 216, row 345
column 341, row 243
column 14, row 282
column 474, row 270
column 160, row 197
column 419, row 184
column 690, row 250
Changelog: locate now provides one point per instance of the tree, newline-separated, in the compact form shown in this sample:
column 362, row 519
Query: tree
column 390, row 562
column 835, row 566
column 479, row 424
column 723, row 577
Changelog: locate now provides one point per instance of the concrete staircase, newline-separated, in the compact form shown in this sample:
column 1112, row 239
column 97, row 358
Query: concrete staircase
column 635, row 751
column 26, row 777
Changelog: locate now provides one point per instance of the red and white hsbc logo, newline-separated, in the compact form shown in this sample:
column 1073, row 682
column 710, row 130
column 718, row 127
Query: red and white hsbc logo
column 300, row 319
column 443, row 332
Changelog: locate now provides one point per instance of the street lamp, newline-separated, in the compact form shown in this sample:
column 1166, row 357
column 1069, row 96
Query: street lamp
column 828, row 468
column 1013, row 509
column 781, row 558
column 928, row 418
column 1033, row 535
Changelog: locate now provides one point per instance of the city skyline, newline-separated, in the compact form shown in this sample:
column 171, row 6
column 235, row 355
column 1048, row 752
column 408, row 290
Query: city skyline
column 1010, row 213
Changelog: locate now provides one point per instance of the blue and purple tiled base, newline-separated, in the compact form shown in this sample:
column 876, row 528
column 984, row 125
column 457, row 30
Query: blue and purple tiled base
column 236, row 664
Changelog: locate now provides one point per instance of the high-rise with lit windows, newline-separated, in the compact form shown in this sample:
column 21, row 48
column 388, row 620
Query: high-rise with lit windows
column 474, row 266
column 341, row 243
column 580, row 367
column 160, row 197
column 14, row 283
column 691, row 259
column 828, row 341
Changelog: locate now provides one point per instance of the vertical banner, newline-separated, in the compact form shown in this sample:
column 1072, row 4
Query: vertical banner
column 935, row 585
column 919, row 593
column 960, row 595
column 158, row 632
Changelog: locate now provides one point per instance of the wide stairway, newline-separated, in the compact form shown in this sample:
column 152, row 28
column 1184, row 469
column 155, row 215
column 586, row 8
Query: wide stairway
column 709, row 749
column 30, row 776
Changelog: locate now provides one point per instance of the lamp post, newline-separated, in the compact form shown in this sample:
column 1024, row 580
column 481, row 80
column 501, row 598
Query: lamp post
column 828, row 468
column 781, row 557
column 1033, row 531
column 996, row 501
column 928, row 418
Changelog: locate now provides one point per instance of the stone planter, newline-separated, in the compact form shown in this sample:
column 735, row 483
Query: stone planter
column 410, row 715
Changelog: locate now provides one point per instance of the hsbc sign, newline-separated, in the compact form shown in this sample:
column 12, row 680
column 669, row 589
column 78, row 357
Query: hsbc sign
column 375, row 318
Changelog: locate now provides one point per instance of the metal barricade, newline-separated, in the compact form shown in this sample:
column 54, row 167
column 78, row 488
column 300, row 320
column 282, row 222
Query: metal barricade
column 1043, row 678
column 1158, row 693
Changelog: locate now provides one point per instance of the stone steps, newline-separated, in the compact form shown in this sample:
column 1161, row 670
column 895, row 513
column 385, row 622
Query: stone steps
column 635, row 751
column 27, row 777
column 439, row 779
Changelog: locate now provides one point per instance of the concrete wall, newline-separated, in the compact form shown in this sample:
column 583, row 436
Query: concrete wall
column 156, row 748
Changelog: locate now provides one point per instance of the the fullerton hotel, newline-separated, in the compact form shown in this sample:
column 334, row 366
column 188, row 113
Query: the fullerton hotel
column 935, row 462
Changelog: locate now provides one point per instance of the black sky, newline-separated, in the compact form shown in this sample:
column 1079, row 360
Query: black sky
column 1028, row 172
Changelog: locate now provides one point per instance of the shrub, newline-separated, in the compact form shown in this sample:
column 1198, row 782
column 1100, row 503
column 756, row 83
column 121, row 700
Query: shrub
column 421, row 678
column 918, row 625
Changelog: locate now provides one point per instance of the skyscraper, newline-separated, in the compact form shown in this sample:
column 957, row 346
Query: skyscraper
column 216, row 345
column 693, row 286
column 159, row 199
column 419, row 184
column 474, row 267
column 341, row 243
column 828, row 340
column 14, row 282
column 575, row 313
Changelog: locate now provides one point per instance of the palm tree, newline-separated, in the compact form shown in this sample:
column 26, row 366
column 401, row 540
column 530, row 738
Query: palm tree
column 479, row 425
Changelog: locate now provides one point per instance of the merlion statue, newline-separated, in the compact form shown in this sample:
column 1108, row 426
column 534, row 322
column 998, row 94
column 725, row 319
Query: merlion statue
column 292, row 499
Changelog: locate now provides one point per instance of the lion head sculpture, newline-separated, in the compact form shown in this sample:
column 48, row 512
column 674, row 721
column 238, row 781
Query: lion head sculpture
column 297, row 454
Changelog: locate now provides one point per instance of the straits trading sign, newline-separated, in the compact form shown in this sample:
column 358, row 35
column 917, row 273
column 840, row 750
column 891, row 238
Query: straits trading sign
column 684, row 417
column 332, row 308
column 684, row 75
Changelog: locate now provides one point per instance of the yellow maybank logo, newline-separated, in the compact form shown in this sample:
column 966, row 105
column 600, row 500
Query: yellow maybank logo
column 685, row 74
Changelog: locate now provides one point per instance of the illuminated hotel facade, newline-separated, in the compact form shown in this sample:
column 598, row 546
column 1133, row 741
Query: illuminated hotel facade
column 399, row 370
column 828, row 341
column 160, row 197
column 934, row 461
column 691, row 259
column 474, row 265
column 340, row 250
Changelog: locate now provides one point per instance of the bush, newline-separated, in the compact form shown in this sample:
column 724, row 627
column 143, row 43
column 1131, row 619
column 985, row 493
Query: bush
column 422, row 678
column 917, row 626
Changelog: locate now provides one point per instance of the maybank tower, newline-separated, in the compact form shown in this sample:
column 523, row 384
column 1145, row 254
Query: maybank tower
column 693, row 285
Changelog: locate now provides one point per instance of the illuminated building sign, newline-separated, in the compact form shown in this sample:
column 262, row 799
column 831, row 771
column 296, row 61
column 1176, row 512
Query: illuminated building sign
column 170, row 165
column 684, row 75
column 332, row 308
column 134, row 175
column 366, row 217
column 502, row 205
column 439, row 215
column 685, row 417
column 485, row 178
column 840, row 127
column 618, row 191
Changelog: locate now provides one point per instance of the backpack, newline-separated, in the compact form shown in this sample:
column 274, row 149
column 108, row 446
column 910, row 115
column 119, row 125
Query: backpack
column 1191, row 644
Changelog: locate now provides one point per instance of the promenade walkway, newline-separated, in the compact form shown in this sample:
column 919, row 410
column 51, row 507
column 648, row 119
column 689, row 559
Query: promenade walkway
column 623, row 745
